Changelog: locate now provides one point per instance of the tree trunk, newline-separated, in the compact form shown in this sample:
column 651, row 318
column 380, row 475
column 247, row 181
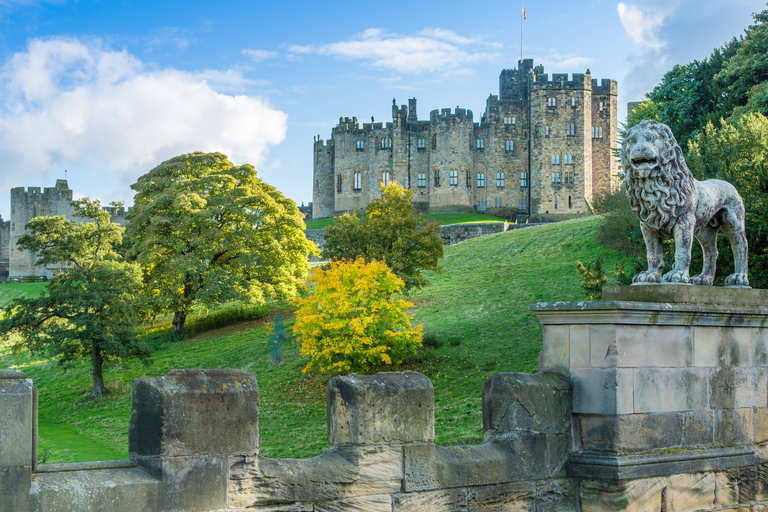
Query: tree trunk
column 178, row 320
column 98, row 378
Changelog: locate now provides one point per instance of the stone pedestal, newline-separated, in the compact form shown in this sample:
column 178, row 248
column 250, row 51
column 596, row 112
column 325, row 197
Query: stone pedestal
column 18, row 439
column 662, row 388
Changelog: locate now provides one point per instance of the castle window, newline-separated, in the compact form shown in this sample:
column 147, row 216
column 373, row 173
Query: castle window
column 437, row 178
column 552, row 102
column 338, row 183
column 469, row 179
column 573, row 101
column 480, row 144
column 523, row 179
column 500, row 179
column 509, row 145
column 385, row 177
column 556, row 178
column 597, row 132
column 358, row 181
column 434, row 142
column 481, row 180
column 422, row 180
column 570, row 204
column 568, row 178
column 507, row 120
column 600, row 106
column 568, row 159
column 570, row 130
column 522, row 205
column 482, row 205
column 420, row 144
column 385, row 144
column 546, row 131
column 360, row 145
column 454, row 177
column 513, row 122
column 555, row 202
column 555, row 158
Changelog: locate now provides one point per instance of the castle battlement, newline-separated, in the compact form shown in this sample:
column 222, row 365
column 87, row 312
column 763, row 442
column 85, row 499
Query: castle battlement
column 560, row 81
column 607, row 86
column 446, row 115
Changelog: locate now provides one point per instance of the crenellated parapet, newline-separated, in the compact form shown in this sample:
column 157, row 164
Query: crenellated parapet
column 607, row 86
column 561, row 81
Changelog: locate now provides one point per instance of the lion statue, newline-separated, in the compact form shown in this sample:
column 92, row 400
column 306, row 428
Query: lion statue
column 672, row 204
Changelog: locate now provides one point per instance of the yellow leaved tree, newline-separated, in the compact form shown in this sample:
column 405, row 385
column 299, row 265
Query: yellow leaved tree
column 354, row 320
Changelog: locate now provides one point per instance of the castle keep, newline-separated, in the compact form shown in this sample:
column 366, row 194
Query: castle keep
column 26, row 204
column 542, row 146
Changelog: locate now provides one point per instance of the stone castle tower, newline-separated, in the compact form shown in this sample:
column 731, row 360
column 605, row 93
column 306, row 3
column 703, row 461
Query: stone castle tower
column 542, row 146
column 26, row 204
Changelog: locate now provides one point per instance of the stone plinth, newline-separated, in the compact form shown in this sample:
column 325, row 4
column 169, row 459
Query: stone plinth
column 18, row 438
column 675, row 379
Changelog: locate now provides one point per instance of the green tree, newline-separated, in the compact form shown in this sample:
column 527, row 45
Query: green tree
column 89, row 307
column 392, row 232
column 592, row 280
column 737, row 151
column 353, row 320
column 206, row 231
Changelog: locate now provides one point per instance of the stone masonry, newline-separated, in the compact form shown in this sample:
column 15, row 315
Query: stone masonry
column 570, row 127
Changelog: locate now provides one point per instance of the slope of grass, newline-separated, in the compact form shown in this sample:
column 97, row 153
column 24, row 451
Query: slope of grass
column 477, row 308
column 443, row 218
column 10, row 291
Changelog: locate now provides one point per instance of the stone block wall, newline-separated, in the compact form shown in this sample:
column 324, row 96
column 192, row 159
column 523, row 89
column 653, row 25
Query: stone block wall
column 5, row 248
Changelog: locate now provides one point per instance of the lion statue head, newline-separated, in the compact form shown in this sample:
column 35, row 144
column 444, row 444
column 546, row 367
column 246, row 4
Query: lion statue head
column 657, row 181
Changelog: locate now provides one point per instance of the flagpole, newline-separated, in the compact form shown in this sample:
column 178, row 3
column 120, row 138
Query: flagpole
column 522, row 7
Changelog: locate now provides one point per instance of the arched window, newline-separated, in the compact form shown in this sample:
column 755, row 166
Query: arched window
column 555, row 158
column 573, row 101
column 500, row 179
column 480, row 143
column 358, row 181
column 509, row 145
column 360, row 145
column 385, row 178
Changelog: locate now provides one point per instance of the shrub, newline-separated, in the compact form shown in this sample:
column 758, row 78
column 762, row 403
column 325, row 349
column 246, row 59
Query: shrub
column 592, row 280
column 353, row 320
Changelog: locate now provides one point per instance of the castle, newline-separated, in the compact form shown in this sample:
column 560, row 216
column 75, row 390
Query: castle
column 542, row 146
column 27, row 204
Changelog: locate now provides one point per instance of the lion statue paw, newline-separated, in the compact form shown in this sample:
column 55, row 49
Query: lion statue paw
column 647, row 277
column 676, row 276
column 702, row 280
column 737, row 280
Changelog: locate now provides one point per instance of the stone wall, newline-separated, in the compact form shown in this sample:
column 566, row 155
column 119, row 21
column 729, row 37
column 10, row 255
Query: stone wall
column 5, row 239
column 486, row 158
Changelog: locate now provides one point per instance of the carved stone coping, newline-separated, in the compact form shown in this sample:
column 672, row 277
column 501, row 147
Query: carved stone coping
column 615, row 467
column 82, row 466
column 687, row 294
column 649, row 313
column 12, row 374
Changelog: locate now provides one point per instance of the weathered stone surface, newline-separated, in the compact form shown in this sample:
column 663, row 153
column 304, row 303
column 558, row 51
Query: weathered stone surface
column 699, row 429
column 190, row 412
column 641, row 495
column 579, row 345
column 555, row 353
column 603, row 390
column 381, row 503
column 685, row 294
column 17, row 419
column 118, row 490
column 14, row 488
column 761, row 425
column 670, row 389
column 539, row 403
column 723, row 346
column 556, row 495
column 688, row 493
column 339, row 473
column 734, row 427
column 631, row 433
column 602, row 346
column 650, row 346
column 388, row 407
column 736, row 388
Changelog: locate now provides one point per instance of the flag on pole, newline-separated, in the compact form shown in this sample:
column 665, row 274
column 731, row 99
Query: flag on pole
column 524, row 16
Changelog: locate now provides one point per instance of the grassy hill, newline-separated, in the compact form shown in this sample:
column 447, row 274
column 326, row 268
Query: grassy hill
column 443, row 218
column 476, row 311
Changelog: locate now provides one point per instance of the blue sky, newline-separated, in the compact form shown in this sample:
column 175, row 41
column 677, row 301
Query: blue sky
column 109, row 89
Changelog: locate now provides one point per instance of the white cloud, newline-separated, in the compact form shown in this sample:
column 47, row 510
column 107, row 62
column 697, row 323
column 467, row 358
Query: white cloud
column 431, row 50
column 259, row 55
column 642, row 24
column 72, row 104
column 560, row 63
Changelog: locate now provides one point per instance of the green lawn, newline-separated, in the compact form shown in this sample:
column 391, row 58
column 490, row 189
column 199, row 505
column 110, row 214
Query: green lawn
column 443, row 218
column 478, row 308
column 10, row 291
